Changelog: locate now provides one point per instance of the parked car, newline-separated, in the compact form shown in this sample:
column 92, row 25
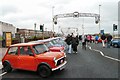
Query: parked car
column 100, row 40
column 58, row 41
column 33, row 57
column 50, row 45
column 115, row 42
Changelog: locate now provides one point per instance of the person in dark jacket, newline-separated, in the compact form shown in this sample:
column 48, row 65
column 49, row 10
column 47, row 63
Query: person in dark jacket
column 103, row 37
column 109, row 38
column 69, row 41
column 75, row 43
column 80, row 37
column 84, row 41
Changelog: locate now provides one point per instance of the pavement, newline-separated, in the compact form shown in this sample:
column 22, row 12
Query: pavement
column 2, row 53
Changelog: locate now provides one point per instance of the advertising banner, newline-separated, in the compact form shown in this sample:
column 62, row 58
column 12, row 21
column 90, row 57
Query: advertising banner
column 8, row 38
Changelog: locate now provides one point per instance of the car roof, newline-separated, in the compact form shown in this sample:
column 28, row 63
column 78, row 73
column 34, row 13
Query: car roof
column 40, row 41
column 45, row 40
column 25, row 44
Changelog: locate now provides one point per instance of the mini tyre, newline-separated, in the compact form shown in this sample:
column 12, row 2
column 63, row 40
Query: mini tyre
column 44, row 71
column 7, row 67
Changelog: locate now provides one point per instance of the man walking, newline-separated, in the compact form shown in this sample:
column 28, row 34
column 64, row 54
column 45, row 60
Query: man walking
column 109, row 38
column 84, row 40
column 75, row 43
column 68, row 41
column 103, row 37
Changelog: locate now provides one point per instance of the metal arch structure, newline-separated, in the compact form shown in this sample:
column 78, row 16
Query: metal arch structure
column 77, row 14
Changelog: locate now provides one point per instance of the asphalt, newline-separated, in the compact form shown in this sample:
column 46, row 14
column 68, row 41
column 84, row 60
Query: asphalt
column 111, row 52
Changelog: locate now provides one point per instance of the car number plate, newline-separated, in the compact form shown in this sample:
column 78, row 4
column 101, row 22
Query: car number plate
column 62, row 67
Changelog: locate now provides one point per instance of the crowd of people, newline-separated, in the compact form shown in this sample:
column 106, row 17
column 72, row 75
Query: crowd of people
column 73, row 41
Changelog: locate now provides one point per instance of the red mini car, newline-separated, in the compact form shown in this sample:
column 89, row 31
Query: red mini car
column 33, row 57
column 50, row 45
column 100, row 41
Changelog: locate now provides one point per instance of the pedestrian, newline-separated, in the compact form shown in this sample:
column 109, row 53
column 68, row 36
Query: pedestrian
column 88, row 38
column 96, row 39
column 80, row 37
column 80, row 40
column 84, row 40
column 75, row 43
column 109, row 38
column 68, row 40
column 103, row 37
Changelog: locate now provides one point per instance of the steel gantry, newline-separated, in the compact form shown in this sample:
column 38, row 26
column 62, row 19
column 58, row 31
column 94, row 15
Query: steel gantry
column 77, row 14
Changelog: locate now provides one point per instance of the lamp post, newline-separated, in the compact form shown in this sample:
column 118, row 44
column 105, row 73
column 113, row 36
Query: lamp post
column 53, row 19
column 35, row 29
column 83, row 26
column 99, row 18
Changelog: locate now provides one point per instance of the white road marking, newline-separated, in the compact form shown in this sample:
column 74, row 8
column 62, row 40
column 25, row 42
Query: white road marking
column 104, row 54
column 3, row 74
column 1, row 68
column 112, row 58
column 1, row 65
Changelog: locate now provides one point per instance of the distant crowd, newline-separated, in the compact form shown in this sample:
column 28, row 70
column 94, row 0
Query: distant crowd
column 73, row 41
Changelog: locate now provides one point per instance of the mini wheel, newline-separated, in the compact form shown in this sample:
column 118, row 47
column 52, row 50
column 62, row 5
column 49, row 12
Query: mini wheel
column 7, row 67
column 44, row 71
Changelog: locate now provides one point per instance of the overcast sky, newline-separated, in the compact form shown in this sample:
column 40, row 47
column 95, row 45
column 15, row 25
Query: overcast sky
column 24, row 13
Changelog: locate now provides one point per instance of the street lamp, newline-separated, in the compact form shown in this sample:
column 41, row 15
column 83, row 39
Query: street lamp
column 83, row 26
column 82, row 29
column 35, row 29
column 99, row 18
column 53, row 19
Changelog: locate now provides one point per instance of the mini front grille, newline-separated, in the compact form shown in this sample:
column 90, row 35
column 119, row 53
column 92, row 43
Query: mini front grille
column 60, row 61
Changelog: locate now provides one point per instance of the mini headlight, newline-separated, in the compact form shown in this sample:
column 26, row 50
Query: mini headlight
column 55, row 61
column 61, row 50
column 65, row 54
column 54, row 58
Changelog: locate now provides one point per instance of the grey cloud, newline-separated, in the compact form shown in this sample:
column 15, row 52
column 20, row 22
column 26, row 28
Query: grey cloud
column 108, row 15
column 108, row 10
column 61, row 2
column 7, row 9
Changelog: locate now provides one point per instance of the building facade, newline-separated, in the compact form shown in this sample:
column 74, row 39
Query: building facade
column 28, row 33
column 119, row 18
column 6, row 27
